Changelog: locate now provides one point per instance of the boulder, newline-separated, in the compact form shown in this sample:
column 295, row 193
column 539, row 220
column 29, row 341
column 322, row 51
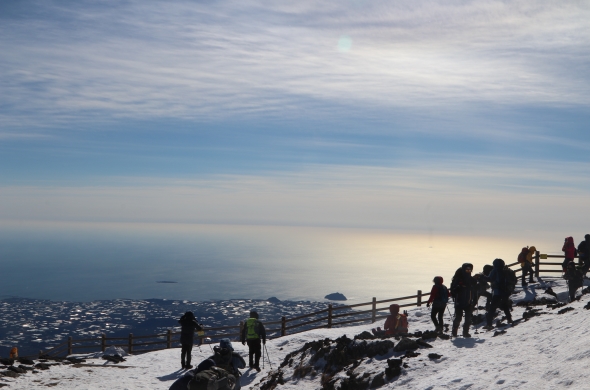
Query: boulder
column 26, row 361
column 406, row 344
column 335, row 297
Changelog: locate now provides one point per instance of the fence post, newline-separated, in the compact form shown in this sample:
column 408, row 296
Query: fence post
column 103, row 342
column 374, row 312
column 70, row 345
column 329, row 316
column 169, row 339
column 130, row 343
column 537, row 260
column 419, row 303
column 283, row 326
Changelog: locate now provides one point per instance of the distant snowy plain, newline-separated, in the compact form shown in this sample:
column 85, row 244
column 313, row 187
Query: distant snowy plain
column 550, row 351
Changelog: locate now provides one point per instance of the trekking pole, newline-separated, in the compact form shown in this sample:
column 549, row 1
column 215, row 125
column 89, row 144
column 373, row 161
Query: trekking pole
column 268, row 357
column 263, row 356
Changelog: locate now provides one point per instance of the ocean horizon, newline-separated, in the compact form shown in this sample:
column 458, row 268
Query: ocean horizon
column 102, row 261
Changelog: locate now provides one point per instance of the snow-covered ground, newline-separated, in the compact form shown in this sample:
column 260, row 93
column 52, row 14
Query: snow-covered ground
column 549, row 351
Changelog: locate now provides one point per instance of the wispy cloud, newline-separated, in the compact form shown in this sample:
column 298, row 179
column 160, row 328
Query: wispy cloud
column 493, row 197
column 211, row 60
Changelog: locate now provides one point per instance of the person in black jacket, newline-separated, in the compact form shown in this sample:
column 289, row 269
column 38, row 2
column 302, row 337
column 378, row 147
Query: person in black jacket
column 189, row 326
column 501, row 289
column 463, row 291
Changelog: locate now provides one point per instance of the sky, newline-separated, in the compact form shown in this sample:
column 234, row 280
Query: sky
column 453, row 116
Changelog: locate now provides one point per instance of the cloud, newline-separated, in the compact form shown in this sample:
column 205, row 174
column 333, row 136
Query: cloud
column 259, row 59
column 484, row 198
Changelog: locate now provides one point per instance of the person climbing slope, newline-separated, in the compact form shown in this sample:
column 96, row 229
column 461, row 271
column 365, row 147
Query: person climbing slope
column 463, row 291
column 255, row 334
column 501, row 289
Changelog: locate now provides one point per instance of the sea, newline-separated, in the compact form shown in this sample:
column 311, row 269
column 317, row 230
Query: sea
column 81, row 262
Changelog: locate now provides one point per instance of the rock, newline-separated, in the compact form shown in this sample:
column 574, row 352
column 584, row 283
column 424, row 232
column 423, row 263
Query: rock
column 429, row 334
column 75, row 360
column 365, row 336
column 26, row 368
column 565, row 310
column 423, row 343
column 392, row 372
column 26, row 361
column 378, row 381
column 42, row 366
column 10, row 374
column 550, row 291
column 587, row 306
column 112, row 351
column 499, row 333
column 7, row 362
column 411, row 354
column 406, row 344
column 434, row 356
column 274, row 300
column 18, row 370
column 335, row 297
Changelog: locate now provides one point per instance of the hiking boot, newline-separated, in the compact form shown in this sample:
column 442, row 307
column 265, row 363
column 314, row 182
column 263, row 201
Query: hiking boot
column 257, row 368
column 188, row 366
column 466, row 334
column 439, row 329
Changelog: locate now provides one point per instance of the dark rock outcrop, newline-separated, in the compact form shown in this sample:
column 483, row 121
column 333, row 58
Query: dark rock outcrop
column 335, row 297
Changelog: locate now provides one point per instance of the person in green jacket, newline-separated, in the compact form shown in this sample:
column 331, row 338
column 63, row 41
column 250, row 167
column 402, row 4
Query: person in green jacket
column 255, row 334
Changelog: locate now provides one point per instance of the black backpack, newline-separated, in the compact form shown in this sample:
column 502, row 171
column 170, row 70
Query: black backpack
column 214, row 378
column 510, row 280
column 457, row 279
column 442, row 296
column 223, row 359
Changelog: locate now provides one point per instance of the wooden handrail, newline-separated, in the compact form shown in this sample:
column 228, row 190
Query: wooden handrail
column 167, row 338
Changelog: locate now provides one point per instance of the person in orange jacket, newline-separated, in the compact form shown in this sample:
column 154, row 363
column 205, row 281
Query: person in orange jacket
column 395, row 323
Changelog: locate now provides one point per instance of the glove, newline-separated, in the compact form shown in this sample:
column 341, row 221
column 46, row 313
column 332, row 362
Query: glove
column 428, row 304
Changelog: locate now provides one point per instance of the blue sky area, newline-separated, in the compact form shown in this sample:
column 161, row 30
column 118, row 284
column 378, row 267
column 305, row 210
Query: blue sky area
column 465, row 116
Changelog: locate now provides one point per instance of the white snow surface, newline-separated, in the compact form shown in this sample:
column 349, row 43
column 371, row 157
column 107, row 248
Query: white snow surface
column 550, row 351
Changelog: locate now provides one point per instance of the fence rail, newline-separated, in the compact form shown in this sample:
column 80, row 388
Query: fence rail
column 166, row 340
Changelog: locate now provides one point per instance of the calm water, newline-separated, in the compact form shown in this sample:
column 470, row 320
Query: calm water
column 82, row 262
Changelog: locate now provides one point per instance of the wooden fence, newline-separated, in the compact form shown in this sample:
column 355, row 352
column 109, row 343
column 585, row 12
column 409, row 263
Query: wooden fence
column 333, row 316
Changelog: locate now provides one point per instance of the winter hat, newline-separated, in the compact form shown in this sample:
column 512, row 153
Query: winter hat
column 467, row 265
column 587, row 237
column 253, row 314
column 438, row 280
column 487, row 269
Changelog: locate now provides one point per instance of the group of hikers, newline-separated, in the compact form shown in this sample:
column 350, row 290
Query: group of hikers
column 466, row 289
column 221, row 370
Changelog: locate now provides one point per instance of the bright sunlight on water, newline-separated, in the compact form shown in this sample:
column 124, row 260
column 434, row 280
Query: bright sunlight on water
column 81, row 262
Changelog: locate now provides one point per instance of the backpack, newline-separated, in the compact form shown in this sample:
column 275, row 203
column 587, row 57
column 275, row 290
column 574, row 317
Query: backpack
column 442, row 297
column 401, row 325
column 522, row 256
column 214, row 378
column 455, row 283
column 252, row 331
column 510, row 280
column 223, row 359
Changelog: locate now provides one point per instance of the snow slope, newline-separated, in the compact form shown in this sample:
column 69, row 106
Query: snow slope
column 549, row 351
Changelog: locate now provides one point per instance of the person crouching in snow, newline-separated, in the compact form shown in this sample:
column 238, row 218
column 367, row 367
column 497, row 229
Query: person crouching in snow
column 395, row 324
column 439, row 296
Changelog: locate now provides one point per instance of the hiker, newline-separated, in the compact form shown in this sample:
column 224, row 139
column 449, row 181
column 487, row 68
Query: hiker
column 439, row 296
column 525, row 258
column 254, row 333
column 482, row 286
column 575, row 279
column 189, row 326
column 225, row 357
column 584, row 253
column 205, row 376
column 395, row 324
column 463, row 291
column 502, row 287
column 569, row 250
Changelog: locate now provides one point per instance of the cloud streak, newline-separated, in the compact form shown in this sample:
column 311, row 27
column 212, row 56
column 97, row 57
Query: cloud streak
column 213, row 60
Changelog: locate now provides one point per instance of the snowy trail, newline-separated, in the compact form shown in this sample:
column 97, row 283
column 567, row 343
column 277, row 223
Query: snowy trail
column 550, row 351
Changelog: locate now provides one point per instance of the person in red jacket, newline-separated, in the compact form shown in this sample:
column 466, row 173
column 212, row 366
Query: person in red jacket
column 569, row 250
column 395, row 323
column 439, row 296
